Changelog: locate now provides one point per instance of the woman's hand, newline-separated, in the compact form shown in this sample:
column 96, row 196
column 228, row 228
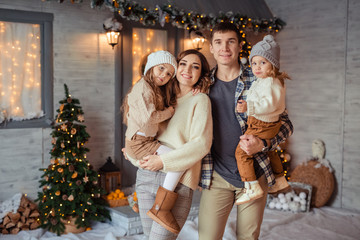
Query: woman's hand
column 251, row 144
column 124, row 153
column 152, row 163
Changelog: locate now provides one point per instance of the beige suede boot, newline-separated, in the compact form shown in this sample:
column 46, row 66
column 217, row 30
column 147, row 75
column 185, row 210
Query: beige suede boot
column 281, row 185
column 161, row 210
column 253, row 192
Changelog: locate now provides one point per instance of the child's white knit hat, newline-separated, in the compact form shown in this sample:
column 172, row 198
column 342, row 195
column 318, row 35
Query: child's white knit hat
column 269, row 49
column 160, row 57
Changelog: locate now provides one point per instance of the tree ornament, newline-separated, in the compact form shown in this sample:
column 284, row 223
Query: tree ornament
column 62, row 161
column 71, row 198
column 81, row 118
column 74, row 175
column 53, row 221
column 86, row 179
column 61, row 107
column 69, row 99
column 63, row 127
column 73, row 131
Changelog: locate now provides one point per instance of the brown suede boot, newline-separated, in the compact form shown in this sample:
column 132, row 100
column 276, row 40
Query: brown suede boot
column 161, row 210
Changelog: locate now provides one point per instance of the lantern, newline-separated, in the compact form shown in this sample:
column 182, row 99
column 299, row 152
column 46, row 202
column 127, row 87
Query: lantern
column 110, row 176
column 197, row 39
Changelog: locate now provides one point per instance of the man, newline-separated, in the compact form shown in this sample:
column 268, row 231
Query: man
column 231, row 81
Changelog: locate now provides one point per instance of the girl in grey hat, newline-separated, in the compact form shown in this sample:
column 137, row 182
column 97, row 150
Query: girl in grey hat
column 265, row 102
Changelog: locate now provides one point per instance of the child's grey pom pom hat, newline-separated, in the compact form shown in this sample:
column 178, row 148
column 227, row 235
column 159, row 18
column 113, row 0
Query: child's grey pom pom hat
column 160, row 57
column 269, row 49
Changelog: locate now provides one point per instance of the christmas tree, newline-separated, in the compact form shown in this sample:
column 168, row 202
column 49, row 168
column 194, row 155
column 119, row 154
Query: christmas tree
column 70, row 187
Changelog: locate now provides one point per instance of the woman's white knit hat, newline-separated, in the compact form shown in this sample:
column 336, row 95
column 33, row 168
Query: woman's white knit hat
column 160, row 57
column 269, row 49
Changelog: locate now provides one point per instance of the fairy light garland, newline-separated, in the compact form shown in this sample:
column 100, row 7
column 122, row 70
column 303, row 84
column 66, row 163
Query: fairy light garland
column 180, row 18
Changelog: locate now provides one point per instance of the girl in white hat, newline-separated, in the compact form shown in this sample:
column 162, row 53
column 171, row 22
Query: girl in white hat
column 148, row 104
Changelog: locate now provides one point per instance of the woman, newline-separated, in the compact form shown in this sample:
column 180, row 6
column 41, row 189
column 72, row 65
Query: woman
column 189, row 133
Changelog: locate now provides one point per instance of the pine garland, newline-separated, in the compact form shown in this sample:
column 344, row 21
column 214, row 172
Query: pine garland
column 167, row 13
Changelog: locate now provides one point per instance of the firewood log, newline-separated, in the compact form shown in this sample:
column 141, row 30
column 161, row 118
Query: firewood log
column 10, row 225
column 19, row 224
column 21, row 209
column 14, row 230
column 34, row 214
column 32, row 206
column 6, row 220
column 34, row 225
column 14, row 217
column 26, row 212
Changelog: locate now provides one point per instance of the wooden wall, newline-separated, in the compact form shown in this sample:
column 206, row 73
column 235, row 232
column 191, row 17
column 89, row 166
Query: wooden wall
column 320, row 49
column 85, row 62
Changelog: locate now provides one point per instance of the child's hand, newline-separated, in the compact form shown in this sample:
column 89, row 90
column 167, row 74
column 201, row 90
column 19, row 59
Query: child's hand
column 241, row 106
column 172, row 110
column 195, row 91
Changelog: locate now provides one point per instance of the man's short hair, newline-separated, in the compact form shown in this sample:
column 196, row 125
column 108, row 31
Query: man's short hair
column 225, row 27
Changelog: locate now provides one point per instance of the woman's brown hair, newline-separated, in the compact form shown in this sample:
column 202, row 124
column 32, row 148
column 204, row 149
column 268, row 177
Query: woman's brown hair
column 204, row 82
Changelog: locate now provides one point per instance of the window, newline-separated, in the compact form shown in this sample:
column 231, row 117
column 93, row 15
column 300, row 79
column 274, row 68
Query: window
column 145, row 41
column 26, row 69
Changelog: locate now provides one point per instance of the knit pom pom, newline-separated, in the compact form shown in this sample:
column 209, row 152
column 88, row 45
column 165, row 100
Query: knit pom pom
column 269, row 38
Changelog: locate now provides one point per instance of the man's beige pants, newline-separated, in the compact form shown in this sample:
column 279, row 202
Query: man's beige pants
column 216, row 204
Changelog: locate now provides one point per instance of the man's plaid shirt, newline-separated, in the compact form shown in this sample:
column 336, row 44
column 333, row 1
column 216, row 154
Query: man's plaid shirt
column 245, row 79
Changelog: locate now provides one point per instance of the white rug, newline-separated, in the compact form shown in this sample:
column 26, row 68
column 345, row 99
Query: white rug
column 321, row 223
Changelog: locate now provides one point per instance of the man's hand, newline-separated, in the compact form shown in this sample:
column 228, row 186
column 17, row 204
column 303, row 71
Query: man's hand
column 152, row 163
column 251, row 144
column 195, row 91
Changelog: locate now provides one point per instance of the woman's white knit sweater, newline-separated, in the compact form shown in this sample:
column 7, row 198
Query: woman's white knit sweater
column 189, row 133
